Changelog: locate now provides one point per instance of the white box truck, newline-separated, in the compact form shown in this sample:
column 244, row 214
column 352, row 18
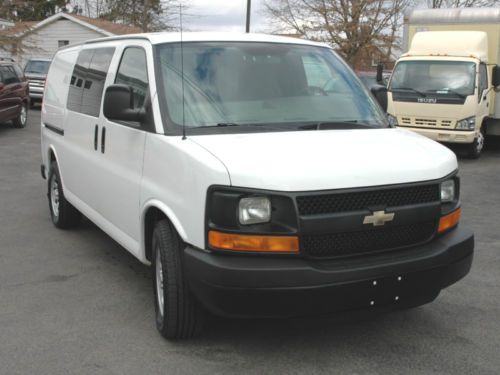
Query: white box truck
column 445, row 85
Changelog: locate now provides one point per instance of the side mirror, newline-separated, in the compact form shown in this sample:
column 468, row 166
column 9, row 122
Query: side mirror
column 495, row 77
column 380, row 93
column 380, row 73
column 119, row 104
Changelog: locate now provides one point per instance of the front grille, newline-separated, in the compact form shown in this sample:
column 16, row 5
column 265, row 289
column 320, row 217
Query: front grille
column 36, row 83
column 361, row 200
column 370, row 240
column 425, row 122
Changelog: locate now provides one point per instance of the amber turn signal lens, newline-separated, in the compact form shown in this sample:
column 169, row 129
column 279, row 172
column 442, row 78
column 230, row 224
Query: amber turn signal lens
column 450, row 220
column 239, row 242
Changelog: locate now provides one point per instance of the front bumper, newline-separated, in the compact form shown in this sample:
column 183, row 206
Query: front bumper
column 264, row 287
column 444, row 135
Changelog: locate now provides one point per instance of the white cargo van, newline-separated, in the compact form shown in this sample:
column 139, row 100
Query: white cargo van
column 445, row 86
column 255, row 173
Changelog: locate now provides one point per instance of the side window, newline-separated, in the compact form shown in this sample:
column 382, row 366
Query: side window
column 483, row 79
column 79, row 73
column 18, row 71
column 87, row 81
column 9, row 76
column 133, row 72
column 93, row 84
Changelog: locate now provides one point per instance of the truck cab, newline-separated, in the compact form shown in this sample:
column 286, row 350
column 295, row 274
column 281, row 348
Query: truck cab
column 444, row 88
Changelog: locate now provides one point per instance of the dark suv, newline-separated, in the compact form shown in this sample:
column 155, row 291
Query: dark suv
column 14, row 94
column 36, row 73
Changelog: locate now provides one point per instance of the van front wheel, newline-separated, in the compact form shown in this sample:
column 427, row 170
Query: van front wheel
column 63, row 214
column 178, row 314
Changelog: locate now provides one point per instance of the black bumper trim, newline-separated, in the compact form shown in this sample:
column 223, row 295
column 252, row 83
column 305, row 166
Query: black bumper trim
column 238, row 286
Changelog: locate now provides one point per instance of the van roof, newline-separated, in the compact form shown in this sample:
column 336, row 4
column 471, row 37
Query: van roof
column 173, row 37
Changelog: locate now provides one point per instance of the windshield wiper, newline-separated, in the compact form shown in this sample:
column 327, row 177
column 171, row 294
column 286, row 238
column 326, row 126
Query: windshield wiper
column 409, row 89
column 341, row 125
column 454, row 92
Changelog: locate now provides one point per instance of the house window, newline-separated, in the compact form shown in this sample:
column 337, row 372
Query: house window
column 62, row 43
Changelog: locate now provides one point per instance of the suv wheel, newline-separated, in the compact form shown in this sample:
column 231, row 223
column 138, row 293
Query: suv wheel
column 178, row 314
column 476, row 147
column 63, row 214
column 21, row 120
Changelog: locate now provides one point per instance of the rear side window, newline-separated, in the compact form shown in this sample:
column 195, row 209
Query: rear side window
column 9, row 76
column 133, row 73
column 87, row 80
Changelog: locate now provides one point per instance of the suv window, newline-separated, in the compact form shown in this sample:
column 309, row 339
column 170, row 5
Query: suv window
column 132, row 72
column 87, row 80
column 483, row 79
column 9, row 76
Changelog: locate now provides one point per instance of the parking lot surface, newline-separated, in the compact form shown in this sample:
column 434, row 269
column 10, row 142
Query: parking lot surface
column 75, row 302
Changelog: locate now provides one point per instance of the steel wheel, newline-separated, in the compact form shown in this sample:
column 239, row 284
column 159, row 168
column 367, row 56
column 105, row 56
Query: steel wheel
column 54, row 195
column 159, row 282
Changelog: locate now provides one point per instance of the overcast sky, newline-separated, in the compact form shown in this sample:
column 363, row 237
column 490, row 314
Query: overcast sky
column 224, row 15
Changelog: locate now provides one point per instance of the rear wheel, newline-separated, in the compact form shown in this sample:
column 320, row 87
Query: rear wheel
column 21, row 120
column 178, row 314
column 476, row 147
column 63, row 214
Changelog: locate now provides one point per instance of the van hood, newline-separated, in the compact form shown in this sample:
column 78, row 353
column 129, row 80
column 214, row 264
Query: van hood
column 328, row 159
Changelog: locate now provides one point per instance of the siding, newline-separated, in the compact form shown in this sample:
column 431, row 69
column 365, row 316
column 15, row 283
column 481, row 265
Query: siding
column 43, row 42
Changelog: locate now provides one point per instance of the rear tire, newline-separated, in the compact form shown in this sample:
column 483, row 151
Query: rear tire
column 62, row 213
column 475, row 149
column 178, row 314
column 21, row 120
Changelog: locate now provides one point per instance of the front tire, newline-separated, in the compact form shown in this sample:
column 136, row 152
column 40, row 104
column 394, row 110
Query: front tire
column 62, row 213
column 21, row 120
column 178, row 315
column 476, row 147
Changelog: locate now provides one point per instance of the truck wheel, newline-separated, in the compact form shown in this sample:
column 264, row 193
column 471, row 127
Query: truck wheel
column 21, row 120
column 63, row 214
column 476, row 147
column 178, row 314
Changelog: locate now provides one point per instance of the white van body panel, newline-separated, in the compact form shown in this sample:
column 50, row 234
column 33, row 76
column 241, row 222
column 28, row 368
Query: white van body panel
column 329, row 159
column 178, row 173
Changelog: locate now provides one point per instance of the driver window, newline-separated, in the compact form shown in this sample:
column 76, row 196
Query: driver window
column 133, row 73
column 483, row 79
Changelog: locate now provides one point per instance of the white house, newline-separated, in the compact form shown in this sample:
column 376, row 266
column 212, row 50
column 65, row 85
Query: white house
column 27, row 40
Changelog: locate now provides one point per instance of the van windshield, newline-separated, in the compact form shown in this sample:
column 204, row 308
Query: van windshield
column 252, row 84
column 37, row 67
column 439, row 77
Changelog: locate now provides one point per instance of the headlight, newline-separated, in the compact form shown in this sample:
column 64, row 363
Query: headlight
column 468, row 123
column 448, row 191
column 254, row 210
column 393, row 121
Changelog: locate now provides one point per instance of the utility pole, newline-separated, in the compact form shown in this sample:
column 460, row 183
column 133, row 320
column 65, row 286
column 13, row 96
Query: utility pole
column 249, row 6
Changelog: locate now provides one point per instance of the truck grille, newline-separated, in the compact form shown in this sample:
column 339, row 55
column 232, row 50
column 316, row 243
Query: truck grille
column 36, row 83
column 360, row 200
column 425, row 122
column 366, row 241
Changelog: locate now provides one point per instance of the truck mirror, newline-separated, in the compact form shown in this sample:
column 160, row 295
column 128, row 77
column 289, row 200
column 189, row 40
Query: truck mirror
column 380, row 71
column 495, row 77
column 119, row 104
column 380, row 93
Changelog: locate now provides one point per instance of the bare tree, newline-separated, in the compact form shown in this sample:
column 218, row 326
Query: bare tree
column 351, row 26
column 461, row 3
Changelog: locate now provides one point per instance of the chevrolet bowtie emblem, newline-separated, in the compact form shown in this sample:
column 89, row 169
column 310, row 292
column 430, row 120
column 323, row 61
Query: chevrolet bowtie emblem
column 378, row 218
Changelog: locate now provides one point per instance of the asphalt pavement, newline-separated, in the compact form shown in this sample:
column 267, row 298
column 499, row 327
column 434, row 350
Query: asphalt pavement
column 75, row 302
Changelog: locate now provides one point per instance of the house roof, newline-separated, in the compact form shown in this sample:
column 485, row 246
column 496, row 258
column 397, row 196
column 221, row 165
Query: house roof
column 104, row 27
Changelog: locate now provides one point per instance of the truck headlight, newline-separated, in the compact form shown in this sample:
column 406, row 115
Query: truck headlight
column 393, row 121
column 448, row 191
column 254, row 210
column 468, row 123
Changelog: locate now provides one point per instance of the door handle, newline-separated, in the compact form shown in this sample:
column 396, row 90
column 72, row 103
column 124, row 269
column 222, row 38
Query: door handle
column 96, row 131
column 103, row 139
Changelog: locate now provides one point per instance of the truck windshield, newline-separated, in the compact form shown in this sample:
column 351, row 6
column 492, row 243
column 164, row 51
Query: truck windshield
column 37, row 67
column 438, row 77
column 255, row 84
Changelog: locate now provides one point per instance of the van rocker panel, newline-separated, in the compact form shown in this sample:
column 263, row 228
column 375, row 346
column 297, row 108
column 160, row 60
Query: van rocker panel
column 272, row 287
